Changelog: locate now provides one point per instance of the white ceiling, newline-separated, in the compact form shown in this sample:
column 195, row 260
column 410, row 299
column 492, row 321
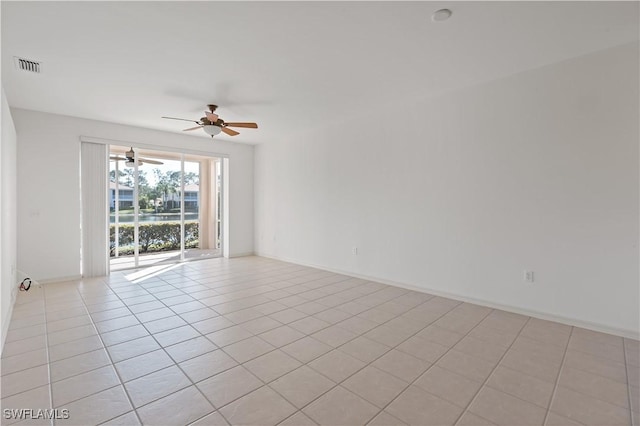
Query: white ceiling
column 287, row 65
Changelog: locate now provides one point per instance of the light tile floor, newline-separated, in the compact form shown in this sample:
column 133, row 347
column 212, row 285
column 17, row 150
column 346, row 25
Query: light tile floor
column 161, row 258
column 257, row 341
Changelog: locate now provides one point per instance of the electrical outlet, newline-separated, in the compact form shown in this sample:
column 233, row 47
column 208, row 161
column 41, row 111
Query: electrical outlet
column 354, row 251
column 528, row 276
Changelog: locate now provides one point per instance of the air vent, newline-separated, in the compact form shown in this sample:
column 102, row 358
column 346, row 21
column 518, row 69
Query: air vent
column 27, row 65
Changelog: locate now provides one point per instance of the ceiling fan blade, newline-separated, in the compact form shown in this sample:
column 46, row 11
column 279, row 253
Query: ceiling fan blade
column 183, row 119
column 211, row 116
column 247, row 125
column 116, row 158
column 148, row 161
column 230, row 132
column 192, row 128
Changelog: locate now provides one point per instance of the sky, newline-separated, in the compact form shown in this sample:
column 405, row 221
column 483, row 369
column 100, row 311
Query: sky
column 169, row 165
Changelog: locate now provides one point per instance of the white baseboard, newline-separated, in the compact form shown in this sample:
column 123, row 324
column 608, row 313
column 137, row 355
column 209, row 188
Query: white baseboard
column 630, row 334
column 248, row 253
column 59, row 279
column 7, row 319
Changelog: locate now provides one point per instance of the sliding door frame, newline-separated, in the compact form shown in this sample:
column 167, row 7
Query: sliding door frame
column 182, row 206
column 136, row 211
column 224, row 188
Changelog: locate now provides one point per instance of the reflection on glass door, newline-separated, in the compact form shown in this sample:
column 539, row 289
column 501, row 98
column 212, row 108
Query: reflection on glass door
column 178, row 214
column 191, row 204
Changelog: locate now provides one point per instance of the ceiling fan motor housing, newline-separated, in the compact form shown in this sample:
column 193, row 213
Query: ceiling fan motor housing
column 206, row 122
column 130, row 155
column 212, row 124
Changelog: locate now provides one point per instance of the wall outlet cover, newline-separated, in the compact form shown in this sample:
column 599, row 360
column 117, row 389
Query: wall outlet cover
column 528, row 276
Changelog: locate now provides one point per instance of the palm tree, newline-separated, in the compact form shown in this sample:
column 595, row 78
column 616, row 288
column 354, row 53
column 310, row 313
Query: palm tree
column 167, row 184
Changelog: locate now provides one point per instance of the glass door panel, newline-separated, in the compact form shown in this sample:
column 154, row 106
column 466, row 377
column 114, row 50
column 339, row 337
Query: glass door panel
column 159, row 199
column 191, row 205
column 178, row 208
column 121, row 181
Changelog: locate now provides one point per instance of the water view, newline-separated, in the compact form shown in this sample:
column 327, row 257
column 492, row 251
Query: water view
column 152, row 217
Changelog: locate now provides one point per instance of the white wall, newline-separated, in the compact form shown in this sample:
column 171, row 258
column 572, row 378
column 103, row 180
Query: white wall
column 461, row 193
column 8, row 250
column 49, row 186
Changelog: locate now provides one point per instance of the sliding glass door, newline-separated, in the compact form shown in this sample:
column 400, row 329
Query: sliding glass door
column 164, row 207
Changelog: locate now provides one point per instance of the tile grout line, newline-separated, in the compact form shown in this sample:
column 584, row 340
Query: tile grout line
column 194, row 384
column 555, row 387
column 21, row 354
column 21, row 327
column 175, row 363
column 82, row 298
column 595, row 374
column 626, row 370
column 434, row 362
column 218, row 348
column 165, row 262
column 601, row 359
column 104, row 347
column 243, row 286
column 216, row 409
column 142, row 323
column 267, row 384
column 24, row 338
column 475, row 396
column 46, row 341
column 291, row 285
column 163, row 347
column 288, row 325
column 585, row 394
column 360, row 335
column 46, row 348
column 127, row 306
column 368, row 364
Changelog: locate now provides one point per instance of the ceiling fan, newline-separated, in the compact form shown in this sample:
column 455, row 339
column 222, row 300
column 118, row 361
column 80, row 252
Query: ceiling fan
column 129, row 159
column 212, row 124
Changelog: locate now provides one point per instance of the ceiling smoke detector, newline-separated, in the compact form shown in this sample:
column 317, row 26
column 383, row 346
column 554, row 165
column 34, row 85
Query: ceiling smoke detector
column 441, row 15
column 28, row 65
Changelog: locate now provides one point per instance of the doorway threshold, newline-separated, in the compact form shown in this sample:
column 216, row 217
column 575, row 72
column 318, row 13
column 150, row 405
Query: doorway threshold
column 128, row 262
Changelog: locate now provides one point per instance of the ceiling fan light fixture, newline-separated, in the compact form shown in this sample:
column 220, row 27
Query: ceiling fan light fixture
column 212, row 129
column 213, row 125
